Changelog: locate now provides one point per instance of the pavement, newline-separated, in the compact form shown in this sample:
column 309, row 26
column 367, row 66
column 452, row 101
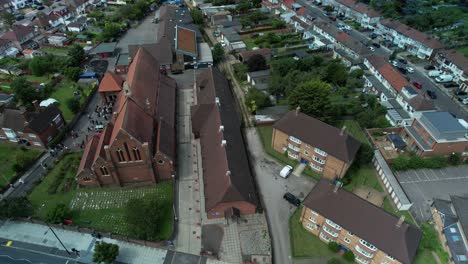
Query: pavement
column 272, row 188
column 423, row 185
column 13, row 255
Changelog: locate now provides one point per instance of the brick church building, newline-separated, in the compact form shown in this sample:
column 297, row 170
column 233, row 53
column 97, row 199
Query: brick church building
column 139, row 144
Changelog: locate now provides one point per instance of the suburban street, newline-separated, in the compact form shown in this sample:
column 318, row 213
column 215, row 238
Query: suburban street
column 272, row 188
column 13, row 255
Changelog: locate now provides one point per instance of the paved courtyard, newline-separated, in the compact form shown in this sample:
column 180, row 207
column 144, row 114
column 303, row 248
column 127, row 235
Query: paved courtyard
column 423, row 185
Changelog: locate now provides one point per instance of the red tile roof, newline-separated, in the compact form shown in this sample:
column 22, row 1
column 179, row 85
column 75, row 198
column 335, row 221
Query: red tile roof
column 412, row 33
column 17, row 32
column 396, row 80
column 289, row 3
column 249, row 53
column 111, row 82
column 186, row 40
column 301, row 11
column 342, row 37
column 360, row 8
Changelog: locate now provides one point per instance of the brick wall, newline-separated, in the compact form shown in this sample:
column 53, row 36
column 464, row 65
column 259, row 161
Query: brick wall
column 244, row 207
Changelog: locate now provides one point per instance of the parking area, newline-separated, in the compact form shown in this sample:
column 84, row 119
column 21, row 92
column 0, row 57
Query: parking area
column 423, row 185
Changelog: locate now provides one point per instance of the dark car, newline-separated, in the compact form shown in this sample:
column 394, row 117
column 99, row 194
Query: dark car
column 460, row 93
column 429, row 67
column 402, row 60
column 292, row 199
column 402, row 70
column 40, row 7
column 450, row 85
column 377, row 45
column 418, row 85
column 431, row 94
column 373, row 36
column 19, row 17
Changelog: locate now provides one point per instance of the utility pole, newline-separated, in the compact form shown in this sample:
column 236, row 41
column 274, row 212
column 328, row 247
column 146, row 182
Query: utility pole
column 58, row 239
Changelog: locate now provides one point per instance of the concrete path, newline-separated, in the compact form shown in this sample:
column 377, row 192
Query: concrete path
column 299, row 169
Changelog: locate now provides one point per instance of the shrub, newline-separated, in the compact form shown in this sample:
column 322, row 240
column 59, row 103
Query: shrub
column 378, row 133
column 334, row 261
column 349, row 256
column 333, row 246
column 57, row 214
column 455, row 159
column 73, row 104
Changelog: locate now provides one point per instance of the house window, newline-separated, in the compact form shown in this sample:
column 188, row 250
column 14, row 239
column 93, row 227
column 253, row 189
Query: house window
column 120, row 155
column 321, row 161
column 333, row 224
column 57, row 119
column 310, row 226
column 315, row 167
column 367, row 244
column 430, row 140
column 104, row 171
column 31, row 135
column 307, row 145
column 127, row 151
column 313, row 220
column 313, row 212
column 86, row 179
column 306, row 152
column 136, row 154
column 455, row 238
column 292, row 155
column 295, row 140
column 320, row 152
column 462, row 257
column 160, row 161
column 36, row 143
column 324, row 237
column 347, row 240
column 390, row 257
column 453, row 230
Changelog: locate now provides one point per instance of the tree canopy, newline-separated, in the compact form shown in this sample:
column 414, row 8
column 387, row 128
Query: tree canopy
column 76, row 55
column 218, row 53
column 24, row 91
column 314, row 99
column 257, row 63
column 8, row 19
column 105, row 252
column 16, row 207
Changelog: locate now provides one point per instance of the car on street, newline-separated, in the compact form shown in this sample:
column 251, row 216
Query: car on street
column 223, row 44
column 431, row 94
column 377, row 45
column 450, row 85
column 418, row 85
column 286, row 171
column 460, row 93
column 410, row 69
column 402, row 70
column 19, row 17
column 372, row 49
column 464, row 101
column 394, row 63
column 429, row 67
column 403, row 61
column 40, row 7
column 292, row 199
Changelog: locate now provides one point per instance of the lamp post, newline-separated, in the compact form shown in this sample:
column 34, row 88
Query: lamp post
column 53, row 232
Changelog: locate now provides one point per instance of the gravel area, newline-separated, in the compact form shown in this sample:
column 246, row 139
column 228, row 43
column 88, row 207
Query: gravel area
column 255, row 242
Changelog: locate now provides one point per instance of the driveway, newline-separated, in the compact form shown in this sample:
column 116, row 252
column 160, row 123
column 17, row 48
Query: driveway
column 423, row 185
column 272, row 188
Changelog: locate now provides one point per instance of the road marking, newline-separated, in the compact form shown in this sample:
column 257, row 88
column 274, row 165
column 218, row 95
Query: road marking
column 452, row 178
column 27, row 260
column 9, row 243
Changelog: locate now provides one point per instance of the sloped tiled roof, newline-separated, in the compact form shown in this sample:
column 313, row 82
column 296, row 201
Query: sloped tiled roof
column 360, row 7
column 412, row 33
column 111, row 82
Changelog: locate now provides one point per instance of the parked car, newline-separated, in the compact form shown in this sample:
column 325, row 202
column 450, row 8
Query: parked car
column 429, row 67
column 40, row 7
column 410, row 69
column 434, row 73
column 377, row 45
column 460, row 92
column 402, row 70
column 19, row 17
column 450, row 85
column 394, row 63
column 464, row 101
column 431, row 94
column 444, row 78
column 402, row 60
column 373, row 36
column 286, row 171
column 292, row 199
column 418, row 85
column 372, row 49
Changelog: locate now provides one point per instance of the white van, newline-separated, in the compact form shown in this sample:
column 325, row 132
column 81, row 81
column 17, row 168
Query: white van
column 286, row 171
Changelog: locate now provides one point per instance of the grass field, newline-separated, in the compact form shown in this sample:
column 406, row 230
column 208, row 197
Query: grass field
column 64, row 91
column 355, row 130
column 365, row 176
column 55, row 50
column 387, row 206
column 303, row 243
column 424, row 257
column 464, row 50
column 100, row 208
column 39, row 79
column 8, row 153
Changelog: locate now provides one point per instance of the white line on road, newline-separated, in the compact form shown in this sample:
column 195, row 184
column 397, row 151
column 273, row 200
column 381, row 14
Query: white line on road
column 453, row 178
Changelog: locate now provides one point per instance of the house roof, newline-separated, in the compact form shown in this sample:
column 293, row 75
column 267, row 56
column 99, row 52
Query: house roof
column 17, row 32
column 4, row 42
column 249, row 53
column 122, row 59
column 360, row 217
column 319, row 134
column 456, row 58
column 105, row 47
column 186, row 41
column 111, row 82
column 460, row 204
column 161, row 51
column 444, row 122
column 226, row 170
column 14, row 119
column 76, row 24
column 412, row 33
column 289, row 3
column 396, row 80
column 43, row 119
column 89, row 152
column 421, row 103
column 360, row 8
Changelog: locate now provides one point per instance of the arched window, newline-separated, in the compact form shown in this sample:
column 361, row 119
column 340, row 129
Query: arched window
column 136, row 154
column 86, row 179
column 120, row 155
column 104, row 171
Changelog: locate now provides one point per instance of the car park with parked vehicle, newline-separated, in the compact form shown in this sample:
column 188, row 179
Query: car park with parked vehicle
column 403, row 61
column 377, row 45
column 402, row 70
column 450, row 85
column 418, row 85
column 431, row 94
column 429, row 67
column 292, row 199
column 434, row 73
column 394, row 63
column 444, row 78
column 409, row 69
column 286, row 171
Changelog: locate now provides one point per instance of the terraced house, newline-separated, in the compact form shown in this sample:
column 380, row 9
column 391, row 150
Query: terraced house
column 372, row 234
column 326, row 149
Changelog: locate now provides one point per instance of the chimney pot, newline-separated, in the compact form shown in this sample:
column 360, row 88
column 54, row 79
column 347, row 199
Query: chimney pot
column 342, row 130
column 223, row 142
column 221, row 128
column 298, row 109
column 400, row 221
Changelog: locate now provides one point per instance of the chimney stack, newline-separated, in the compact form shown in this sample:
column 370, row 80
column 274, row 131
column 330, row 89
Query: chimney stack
column 298, row 109
column 342, row 130
column 148, row 105
column 217, row 101
column 228, row 173
column 337, row 187
column 221, row 128
column 400, row 221
column 223, row 142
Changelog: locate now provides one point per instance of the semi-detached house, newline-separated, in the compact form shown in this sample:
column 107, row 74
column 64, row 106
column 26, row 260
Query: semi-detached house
column 360, row 12
column 372, row 234
column 410, row 39
column 326, row 149
column 455, row 62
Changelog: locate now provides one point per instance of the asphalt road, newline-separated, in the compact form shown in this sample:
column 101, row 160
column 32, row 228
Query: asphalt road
column 272, row 188
column 11, row 255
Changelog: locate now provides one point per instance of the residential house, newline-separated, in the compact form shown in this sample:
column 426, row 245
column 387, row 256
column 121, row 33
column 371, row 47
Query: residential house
column 244, row 56
column 48, row 22
column 354, row 49
column 287, row 5
column 386, row 74
column 78, row 7
column 18, row 4
column 58, row 40
column 77, row 26
column 219, row 17
column 414, row 101
column 34, row 129
column 29, row 53
column 232, row 39
column 436, row 133
column 139, row 144
column 229, row 187
column 287, row 16
column 61, row 11
column 7, row 49
column 455, row 62
column 362, row 13
column 450, row 217
column 336, row 215
column 104, row 49
column 272, row 6
column 20, row 36
column 6, row 6
column 326, row 30
column 326, row 149
column 259, row 79
column 410, row 39
column 236, row 25
column 110, row 86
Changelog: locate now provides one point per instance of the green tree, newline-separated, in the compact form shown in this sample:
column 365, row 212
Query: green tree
column 24, row 91
column 76, row 55
column 105, row 252
column 197, row 16
column 328, row 8
column 243, row 6
column 56, row 215
column 145, row 217
column 255, row 99
column 333, row 246
column 72, row 73
column 38, row 66
column 455, row 159
column 22, row 161
column 218, row 53
column 314, row 99
column 110, row 30
column 257, row 63
column 277, row 24
column 8, row 19
column 336, row 73
column 364, row 154
column 257, row 16
column 245, row 21
column 73, row 104
column 47, row 3
column 349, row 256
column 16, row 207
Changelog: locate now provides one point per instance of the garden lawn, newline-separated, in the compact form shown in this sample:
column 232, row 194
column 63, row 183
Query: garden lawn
column 355, row 130
column 364, row 176
column 424, row 256
column 64, row 91
column 387, row 206
column 249, row 43
column 303, row 243
column 463, row 50
column 38, row 79
column 7, row 160
column 59, row 51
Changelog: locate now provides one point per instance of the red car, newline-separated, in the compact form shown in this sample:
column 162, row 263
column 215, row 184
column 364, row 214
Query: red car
column 417, row 85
